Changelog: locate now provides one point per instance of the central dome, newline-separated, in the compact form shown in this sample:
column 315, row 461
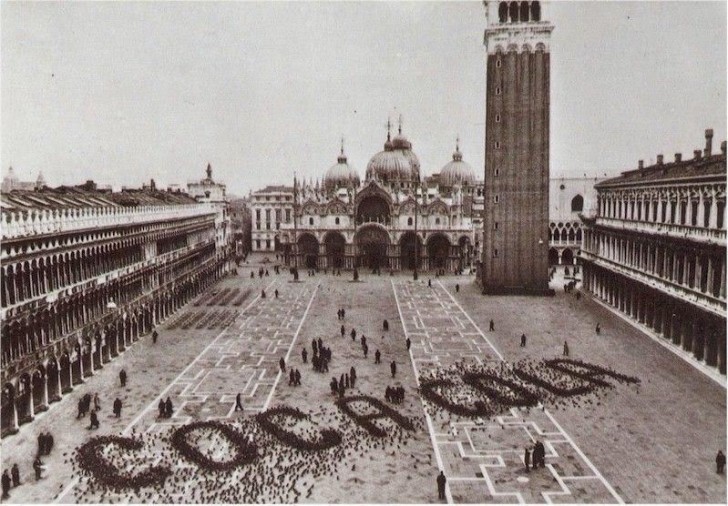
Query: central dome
column 341, row 175
column 397, row 163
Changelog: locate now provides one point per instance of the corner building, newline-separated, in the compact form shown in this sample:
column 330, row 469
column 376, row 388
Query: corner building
column 85, row 274
column 656, row 250
column 516, row 185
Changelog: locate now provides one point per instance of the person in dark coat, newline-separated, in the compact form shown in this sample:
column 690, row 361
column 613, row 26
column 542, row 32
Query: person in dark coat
column 523, row 340
column 262, row 294
column 15, row 473
column 168, row 408
column 527, row 459
column 409, row 343
column 7, row 483
column 353, row 334
column 492, row 326
column 304, row 355
column 377, row 357
column 298, row 378
column 566, row 349
column 291, row 378
column 238, row 402
column 385, row 325
column 598, row 329
column 343, row 331
column 441, row 481
column 155, row 335
column 161, row 408
column 94, row 421
column 41, row 443
column 122, row 377
column 282, row 364
column 352, row 376
column 81, row 411
column 457, row 288
column 117, row 407
column 720, row 462
column 365, row 349
column 38, row 465
column 393, row 368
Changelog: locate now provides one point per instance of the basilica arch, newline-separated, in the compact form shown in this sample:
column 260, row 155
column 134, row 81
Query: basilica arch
column 409, row 246
column 335, row 246
column 308, row 249
column 438, row 251
column 372, row 244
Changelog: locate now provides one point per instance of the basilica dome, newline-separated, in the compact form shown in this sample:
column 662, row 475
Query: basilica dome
column 397, row 163
column 341, row 175
column 457, row 172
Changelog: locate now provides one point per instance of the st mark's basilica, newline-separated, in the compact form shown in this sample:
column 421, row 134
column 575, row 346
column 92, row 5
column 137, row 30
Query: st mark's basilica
column 394, row 219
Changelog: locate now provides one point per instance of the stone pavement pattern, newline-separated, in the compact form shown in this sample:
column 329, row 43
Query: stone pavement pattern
column 442, row 335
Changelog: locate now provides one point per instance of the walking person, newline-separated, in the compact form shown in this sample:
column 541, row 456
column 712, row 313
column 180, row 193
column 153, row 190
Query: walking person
column 492, row 326
column 168, row 408
column 122, row 377
column 409, row 343
column 117, row 407
column 304, row 355
column 720, row 462
column 15, row 473
column 94, row 421
column 38, row 467
column 523, row 340
column 282, row 364
column 566, row 349
column 97, row 402
column 441, row 481
column 7, row 483
column 276, row 293
column 343, row 331
column 238, row 403
column 155, row 335
column 527, row 459
column 393, row 368
column 598, row 329
column 377, row 357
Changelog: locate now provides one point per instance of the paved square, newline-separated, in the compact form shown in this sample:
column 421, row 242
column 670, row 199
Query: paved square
column 625, row 445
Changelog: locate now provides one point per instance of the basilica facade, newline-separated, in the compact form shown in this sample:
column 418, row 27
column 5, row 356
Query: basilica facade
column 393, row 219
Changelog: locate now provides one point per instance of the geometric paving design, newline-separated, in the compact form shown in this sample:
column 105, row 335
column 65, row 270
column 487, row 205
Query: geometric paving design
column 483, row 458
column 242, row 358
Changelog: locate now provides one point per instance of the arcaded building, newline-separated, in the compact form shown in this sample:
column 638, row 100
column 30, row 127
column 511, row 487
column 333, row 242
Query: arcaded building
column 656, row 250
column 393, row 219
column 85, row 273
column 516, row 183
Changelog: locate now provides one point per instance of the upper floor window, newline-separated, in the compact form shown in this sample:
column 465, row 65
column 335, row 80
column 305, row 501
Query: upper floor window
column 409, row 221
column 577, row 204
column 310, row 221
column 336, row 221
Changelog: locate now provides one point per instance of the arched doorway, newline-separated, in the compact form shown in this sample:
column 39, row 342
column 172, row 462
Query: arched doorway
column 308, row 248
column 410, row 247
column 438, row 251
column 335, row 247
column 372, row 209
column 567, row 257
column 465, row 251
column 553, row 257
column 372, row 242
column 8, row 411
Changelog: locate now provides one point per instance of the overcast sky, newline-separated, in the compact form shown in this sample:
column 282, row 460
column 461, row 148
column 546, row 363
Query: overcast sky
column 121, row 92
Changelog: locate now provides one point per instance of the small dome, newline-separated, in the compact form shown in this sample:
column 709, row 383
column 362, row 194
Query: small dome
column 341, row 175
column 457, row 172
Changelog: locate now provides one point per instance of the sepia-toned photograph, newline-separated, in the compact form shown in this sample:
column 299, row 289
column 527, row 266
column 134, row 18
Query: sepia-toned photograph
column 363, row 252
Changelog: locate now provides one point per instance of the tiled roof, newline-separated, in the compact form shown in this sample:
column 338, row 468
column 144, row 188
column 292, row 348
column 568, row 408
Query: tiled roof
column 76, row 197
column 714, row 165
column 278, row 188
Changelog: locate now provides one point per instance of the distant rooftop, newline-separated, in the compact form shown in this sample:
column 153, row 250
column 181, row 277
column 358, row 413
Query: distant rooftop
column 88, row 195
column 276, row 188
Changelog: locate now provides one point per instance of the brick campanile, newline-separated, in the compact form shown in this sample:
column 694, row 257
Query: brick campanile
column 516, row 211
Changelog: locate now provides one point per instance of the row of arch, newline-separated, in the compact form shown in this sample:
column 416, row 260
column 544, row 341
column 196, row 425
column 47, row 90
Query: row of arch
column 67, row 361
column 519, row 12
column 26, row 280
column 373, row 248
column 569, row 232
column 697, row 208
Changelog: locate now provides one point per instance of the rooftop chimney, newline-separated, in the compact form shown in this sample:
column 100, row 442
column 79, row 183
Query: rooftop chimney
column 697, row 154
column 641, row 164
column 660, row 159
column 722, row 147
column 678, row 157
column 708, row 141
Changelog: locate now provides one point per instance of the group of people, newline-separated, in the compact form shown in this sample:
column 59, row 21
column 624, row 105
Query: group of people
column 394, row 394
column 11, row 479
column 165, row 408
column 45, row 443
column 535, row 457
column 321, row 356
column 294, row 377
column 341, row 314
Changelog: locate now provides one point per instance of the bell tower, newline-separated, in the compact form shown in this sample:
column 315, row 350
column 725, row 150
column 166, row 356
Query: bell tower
column 516, row 192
